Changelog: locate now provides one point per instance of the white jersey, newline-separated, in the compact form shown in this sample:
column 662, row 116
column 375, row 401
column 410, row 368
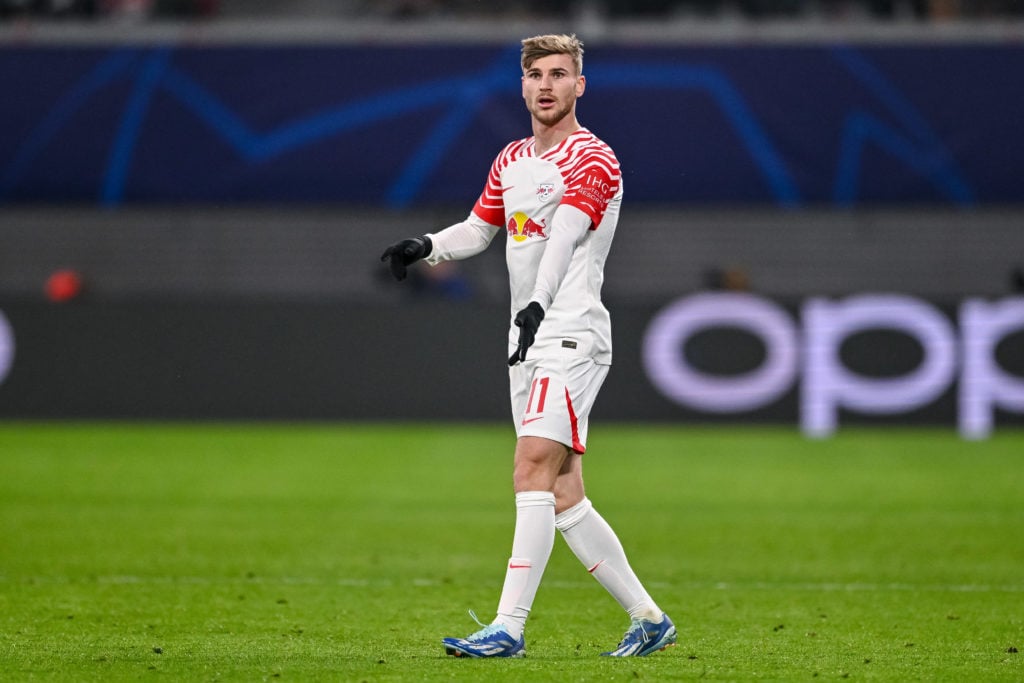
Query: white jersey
column 522, row 194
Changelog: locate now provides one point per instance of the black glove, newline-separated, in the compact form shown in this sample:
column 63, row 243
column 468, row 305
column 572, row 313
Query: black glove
column 527, row 320
column 405, row 253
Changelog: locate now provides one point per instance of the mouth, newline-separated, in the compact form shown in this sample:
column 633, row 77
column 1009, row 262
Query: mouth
column 544, row 101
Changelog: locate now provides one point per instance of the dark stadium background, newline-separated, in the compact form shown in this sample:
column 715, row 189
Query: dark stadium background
column 221, row 182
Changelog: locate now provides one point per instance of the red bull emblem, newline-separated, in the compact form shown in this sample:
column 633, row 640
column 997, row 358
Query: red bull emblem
column 521, row 226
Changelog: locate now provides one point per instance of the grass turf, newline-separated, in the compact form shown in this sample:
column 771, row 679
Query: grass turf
column 345, row 552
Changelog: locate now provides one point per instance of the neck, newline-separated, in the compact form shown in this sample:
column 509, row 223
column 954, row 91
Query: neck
column 545, row 137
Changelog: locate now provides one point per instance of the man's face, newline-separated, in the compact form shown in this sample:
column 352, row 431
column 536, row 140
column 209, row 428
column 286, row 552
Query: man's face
column 550, row 88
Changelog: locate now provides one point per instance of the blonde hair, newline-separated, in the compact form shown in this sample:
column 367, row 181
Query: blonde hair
column 552, row 44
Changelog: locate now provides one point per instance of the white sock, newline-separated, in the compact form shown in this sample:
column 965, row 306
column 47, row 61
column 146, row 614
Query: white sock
column 599, row 549
column 531, row 548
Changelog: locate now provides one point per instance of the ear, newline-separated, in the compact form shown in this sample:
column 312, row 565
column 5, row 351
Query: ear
column 581, row 85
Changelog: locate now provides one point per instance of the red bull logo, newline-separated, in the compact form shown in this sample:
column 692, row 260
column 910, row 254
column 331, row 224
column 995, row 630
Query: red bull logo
column 521, row 226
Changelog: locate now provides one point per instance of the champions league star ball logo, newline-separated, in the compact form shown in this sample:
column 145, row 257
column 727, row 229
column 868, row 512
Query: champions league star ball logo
column 520, row 227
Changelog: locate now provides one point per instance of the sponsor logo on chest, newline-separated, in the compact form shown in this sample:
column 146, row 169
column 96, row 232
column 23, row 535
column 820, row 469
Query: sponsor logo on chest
column 521, row 227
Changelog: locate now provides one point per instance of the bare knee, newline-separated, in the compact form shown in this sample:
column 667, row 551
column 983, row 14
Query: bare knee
column 538, row 462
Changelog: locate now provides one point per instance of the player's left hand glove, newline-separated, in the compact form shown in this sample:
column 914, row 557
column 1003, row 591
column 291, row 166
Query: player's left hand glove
column 405, row 253
column 527, row 320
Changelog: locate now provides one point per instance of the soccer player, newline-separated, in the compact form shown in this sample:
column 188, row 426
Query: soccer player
column 556, row 195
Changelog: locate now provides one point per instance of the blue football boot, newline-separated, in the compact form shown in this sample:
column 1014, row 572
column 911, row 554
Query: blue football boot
column 490, row 641
column 645, row 637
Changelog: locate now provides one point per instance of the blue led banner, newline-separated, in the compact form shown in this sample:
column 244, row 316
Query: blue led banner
column 419, row 125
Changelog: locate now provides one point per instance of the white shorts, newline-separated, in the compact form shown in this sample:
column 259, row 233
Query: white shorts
column 552, row 398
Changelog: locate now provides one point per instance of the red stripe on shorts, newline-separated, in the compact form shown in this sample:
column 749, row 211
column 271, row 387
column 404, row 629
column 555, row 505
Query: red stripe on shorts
column 576, row 445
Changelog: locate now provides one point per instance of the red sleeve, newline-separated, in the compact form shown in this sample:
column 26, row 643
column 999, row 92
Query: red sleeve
column 490, row 206
column 593, row 183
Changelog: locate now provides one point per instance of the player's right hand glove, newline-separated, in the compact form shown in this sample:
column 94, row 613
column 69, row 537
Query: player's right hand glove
column 528, row 321
column 404, row 253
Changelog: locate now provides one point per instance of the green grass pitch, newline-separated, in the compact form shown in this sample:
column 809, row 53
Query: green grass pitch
column 248, row 552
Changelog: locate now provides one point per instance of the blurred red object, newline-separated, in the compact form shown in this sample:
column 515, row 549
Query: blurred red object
column 63, row 285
